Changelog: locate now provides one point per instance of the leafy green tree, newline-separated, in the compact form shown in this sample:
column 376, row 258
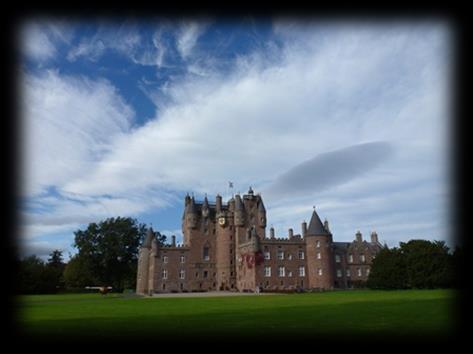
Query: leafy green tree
column 56, row 266
column 78, row 273
column 388, row 270
column 415, row 264
column 35, row 277
column 109, row 250
column 429, row 264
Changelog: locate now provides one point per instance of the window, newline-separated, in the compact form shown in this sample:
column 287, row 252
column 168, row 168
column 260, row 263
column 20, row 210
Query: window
column 320, row 271
column 289, row 274
column 280, row 255
column 302, row 271
column 362, row 258
column 337, row 258
column 339, row 273
column 348, row 273
column 319, row 256
column 164, row 274
column 182, row 274
column 289, row 257
column 267, row 255
column 367, row 271
column 281, row 271
column 267, row 271
column 317, row 244
column 301, row 254
column 165, row 259
column 359, row 272
column 350, row 258
column 183, row 259
column 206, row 274
column 206, row 254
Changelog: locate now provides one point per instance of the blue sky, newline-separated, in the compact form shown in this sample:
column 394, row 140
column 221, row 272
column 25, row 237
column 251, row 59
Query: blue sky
column 123, row 118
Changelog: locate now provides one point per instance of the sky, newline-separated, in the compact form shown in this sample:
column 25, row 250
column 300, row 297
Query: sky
column 123, row 117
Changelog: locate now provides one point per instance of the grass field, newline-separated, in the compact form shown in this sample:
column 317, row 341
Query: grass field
column 347, row 313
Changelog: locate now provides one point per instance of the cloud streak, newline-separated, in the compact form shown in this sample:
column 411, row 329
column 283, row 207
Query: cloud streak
column 329, row 169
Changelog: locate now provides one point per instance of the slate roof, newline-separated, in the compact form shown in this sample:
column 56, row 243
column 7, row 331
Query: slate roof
column 315, row 226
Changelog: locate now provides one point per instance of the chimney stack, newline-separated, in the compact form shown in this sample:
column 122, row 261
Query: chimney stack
column 218, row 203
column 374, row 237
column 291, row 233
column 358, row 236
column 304, row 229
column 271, row 232
column 173, row 237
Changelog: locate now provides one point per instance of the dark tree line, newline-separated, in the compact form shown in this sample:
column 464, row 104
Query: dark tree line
column 417, row 264
column 107, row 256
column 39, row 277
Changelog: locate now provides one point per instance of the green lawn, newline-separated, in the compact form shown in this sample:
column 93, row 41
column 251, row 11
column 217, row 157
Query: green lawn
column 364, row 312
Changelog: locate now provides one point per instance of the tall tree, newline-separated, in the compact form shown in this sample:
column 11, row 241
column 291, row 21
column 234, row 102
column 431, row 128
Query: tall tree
column 55, row 267
column 110, row 250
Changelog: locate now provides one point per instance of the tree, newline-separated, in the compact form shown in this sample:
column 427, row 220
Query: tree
column 55, row 259
column 429, row 264
column 56, row 266
column 388, row 270
column 35, row 277
column 109, row 250
column 415, row 264
column 78, row 273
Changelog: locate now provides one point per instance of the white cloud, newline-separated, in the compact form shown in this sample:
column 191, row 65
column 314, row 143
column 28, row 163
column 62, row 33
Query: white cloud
column 36, row 42
column 188, row 34
column 324, row 91
column 69, row 124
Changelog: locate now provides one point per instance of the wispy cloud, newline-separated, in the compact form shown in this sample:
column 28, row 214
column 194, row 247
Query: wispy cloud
column 188, row 34
column 36, row 43
column 321, row 91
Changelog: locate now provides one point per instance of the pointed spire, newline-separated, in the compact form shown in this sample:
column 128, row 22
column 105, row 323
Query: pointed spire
column 315, row 226
column 149, row 238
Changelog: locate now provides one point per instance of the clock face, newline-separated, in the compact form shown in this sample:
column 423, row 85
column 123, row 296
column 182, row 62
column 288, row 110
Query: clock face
column 221, row 220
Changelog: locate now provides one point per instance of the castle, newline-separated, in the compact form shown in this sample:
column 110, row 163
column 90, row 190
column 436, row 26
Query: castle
column 225, row 247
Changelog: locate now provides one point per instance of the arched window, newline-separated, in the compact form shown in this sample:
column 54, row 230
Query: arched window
column 206, row 253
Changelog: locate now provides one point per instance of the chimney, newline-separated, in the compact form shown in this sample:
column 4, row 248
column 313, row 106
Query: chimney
column 271, row 232
column 218, row 203
column 374, row 237
column 304, row 229
column 173, row 243
column 291, row 233
column 358, row 236
column 326, row 225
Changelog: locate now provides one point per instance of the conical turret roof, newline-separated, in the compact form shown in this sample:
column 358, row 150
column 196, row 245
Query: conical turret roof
column 315, row 226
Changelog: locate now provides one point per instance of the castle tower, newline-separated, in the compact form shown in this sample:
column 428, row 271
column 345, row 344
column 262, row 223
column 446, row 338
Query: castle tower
column 143, row 263
column 225, row 249
column 189, row 225
column 152, row 267
column 319, row 254
column 261, row 218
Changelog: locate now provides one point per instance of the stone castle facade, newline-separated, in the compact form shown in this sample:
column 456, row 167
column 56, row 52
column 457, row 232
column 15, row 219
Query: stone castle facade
column 225, row 247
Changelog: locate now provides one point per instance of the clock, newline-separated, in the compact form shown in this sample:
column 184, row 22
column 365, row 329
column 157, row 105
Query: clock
column 221, row 221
